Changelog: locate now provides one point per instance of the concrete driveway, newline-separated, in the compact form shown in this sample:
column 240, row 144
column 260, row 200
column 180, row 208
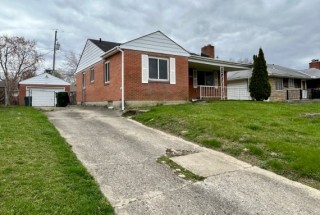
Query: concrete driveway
column 121, row 155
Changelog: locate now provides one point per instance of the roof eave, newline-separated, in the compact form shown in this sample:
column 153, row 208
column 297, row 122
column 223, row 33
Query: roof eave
column 211, row 61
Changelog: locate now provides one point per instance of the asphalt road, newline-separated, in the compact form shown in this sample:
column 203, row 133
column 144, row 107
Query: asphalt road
column 121, row 155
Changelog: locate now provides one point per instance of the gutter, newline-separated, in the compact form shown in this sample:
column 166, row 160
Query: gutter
column 122, row 75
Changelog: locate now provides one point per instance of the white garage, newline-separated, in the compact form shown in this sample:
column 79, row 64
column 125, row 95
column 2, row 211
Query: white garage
column 42, row 90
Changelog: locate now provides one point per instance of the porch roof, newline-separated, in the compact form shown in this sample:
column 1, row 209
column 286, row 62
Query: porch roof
column 210, row 64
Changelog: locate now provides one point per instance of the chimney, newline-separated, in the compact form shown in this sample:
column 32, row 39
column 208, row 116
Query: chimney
column 100, row 40
column 207, row 51
column 315, row 63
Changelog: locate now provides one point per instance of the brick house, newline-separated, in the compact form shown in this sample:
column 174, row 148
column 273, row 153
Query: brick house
column 286, row 84
column 149, row 70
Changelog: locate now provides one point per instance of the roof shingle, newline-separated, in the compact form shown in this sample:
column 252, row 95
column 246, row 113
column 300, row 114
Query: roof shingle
column 105, row 45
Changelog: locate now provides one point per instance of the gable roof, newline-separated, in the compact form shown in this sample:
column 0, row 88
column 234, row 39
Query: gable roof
column 273, row 71
column 44, row 79
column 312, row 72
column 92, row 52
column 156, row 42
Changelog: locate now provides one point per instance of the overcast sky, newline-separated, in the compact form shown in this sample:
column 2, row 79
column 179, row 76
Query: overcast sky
column 287, row 30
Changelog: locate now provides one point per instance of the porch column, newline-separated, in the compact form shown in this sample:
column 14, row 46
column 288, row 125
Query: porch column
column 222, row 82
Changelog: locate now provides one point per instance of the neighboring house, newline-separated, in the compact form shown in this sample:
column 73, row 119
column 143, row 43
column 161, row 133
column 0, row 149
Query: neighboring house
column 2, row 92
column 151, row 69
column 286, row 84
column 42, row 89
column 314, row 82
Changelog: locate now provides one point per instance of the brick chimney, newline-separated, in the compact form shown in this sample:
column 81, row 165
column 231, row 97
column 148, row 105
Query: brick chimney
column 315, row 63
column 207, row 51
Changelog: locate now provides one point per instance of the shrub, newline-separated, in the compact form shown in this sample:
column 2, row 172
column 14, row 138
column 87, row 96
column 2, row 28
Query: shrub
column 259, row 86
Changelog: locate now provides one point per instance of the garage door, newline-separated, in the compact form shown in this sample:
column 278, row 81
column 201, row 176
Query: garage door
column 43, row 96
column 238, row 90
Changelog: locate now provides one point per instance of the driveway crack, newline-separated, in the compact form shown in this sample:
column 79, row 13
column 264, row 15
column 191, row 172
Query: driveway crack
column 147, row 196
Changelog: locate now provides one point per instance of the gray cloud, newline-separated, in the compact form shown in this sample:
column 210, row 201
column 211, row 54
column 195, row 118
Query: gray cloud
column 287, row 30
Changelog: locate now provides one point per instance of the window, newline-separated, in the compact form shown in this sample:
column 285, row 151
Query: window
column 291, row 83
column 158, row 68
column 107, row 72
column 297, row 83
column 207, row 78
column 279, row 84
column 91, row 75
column 83, row 80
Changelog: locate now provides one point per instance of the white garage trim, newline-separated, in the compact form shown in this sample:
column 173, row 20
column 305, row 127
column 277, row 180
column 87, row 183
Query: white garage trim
column 43, row 96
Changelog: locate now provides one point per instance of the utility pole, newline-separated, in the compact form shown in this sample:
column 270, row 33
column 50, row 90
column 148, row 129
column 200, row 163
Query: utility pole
column 56, row 46
column 54, row 50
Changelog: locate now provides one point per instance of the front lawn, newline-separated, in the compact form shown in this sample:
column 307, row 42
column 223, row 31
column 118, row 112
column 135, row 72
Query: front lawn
column 39, row 174
column 281, row 137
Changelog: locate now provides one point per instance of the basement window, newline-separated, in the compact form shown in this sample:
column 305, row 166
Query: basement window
column 158, row 69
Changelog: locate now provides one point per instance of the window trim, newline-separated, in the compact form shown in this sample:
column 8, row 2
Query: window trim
column 106, row 81
column 158, row 79
column 278, row 79
column 92, row 75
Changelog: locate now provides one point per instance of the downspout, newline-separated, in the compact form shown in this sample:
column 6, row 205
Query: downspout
column 122, row 78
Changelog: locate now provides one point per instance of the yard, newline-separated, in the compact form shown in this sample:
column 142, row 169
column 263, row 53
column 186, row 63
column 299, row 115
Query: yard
column 39, row 174
column 281, row 137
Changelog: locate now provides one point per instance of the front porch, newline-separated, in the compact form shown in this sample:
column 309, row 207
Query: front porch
column 208, row 77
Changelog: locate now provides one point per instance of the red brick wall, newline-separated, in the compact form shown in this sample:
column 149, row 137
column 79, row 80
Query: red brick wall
column 23, row 88
column 135, row 90
column 99, row 91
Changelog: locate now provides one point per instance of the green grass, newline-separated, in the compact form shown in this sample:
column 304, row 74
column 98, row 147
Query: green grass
column 39, row 174
column 173, row 165
column 281, row 137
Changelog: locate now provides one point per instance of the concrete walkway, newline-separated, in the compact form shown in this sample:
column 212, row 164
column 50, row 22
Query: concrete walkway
column 121, row 155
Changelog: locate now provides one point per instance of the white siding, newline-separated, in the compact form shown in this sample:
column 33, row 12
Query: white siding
column 45, row 79
column 91, row 55
column 156, row 42
column 238, row 90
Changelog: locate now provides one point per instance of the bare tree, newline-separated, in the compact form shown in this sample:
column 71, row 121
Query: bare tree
column 245, row 60
column 69, row 66
column 19, row 59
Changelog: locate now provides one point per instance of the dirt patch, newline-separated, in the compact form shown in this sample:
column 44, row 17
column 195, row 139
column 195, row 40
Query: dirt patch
column 178, row 152
column 133, row 112
column 311, row 115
